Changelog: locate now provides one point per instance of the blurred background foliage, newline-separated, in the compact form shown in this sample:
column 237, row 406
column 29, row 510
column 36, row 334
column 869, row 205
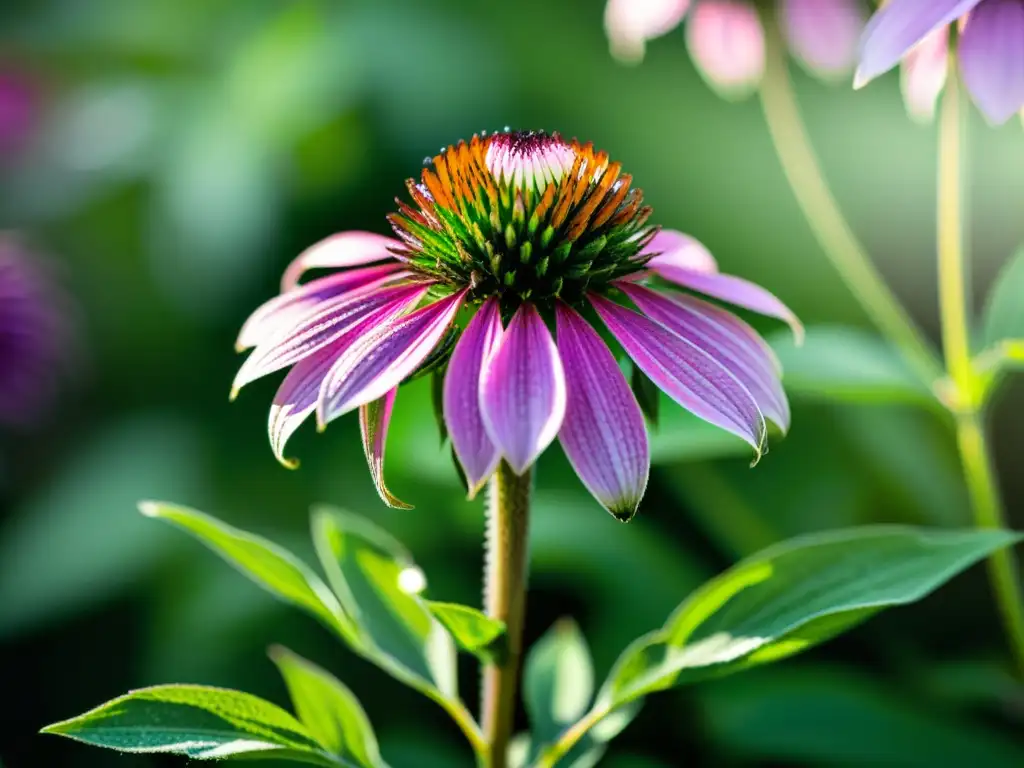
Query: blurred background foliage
column 184, row 150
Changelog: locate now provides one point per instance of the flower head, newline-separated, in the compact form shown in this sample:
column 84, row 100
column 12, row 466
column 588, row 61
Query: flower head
column 726, row 37
column 506, row 237
column 34, row 335
column 990, row 51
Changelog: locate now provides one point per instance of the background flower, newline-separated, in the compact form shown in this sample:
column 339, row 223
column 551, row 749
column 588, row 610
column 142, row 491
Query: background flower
column 726, row 37
column 990, row 51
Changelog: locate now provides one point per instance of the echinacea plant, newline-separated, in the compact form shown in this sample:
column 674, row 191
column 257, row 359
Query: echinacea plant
column 507, row 237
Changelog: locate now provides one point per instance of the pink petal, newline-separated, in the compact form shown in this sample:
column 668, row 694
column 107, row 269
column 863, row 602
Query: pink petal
column 672, row 248
column 476, row 452
column 629, row 24
column 823, row 34
column 373, row 425
column 923, row 74
column 285, row 309
column 726, row 41
column 296, row 399
column 326, row 325
column 686, row 373
column 380, row 359
column 345, row 249
column 723, row 336
column 991, row 51
column 603, row 433
column 522, row 390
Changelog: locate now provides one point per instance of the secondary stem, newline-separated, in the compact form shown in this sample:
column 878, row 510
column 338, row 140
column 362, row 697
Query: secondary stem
column 505, row 599
column 800, row 165
column 974, row 454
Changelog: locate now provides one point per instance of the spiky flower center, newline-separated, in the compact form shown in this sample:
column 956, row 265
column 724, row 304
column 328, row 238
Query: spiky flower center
column 523, row 215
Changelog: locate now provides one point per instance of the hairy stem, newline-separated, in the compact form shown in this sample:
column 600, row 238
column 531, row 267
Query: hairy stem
column 805, row 177
column 508, row 515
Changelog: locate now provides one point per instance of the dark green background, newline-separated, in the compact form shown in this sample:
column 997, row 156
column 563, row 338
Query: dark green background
column 190, row 148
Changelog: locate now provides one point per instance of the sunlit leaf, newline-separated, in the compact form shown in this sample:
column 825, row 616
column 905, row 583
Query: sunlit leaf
column 328, row 709
column 472, row 630
column 200, row 722
column 792, row 596
column 370, row 573
column 558, row 680
column 273, row 568
column 1004, row 311
column 847, row 364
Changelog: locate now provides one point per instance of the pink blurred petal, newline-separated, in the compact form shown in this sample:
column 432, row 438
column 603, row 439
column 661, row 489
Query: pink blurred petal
column 522, row 390
column 476, row 452
column 345, row 249
column 333, row 319
column 991, row 51
column 373, row 425
column 672, row 248
column 923, row 74
column 286, row 308
column 726, row 42
column 726, row 338
column 823, row 34
column 897, row 27
column 380, row 359
column 686, row 373
column 629, row 24
column 603, row 433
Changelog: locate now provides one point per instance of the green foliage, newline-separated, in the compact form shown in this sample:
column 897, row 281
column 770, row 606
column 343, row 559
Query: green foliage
column 201, row 722
column 473, row 631
column 847, row 364
column 328, row 709
column 558, row 680
column 1003, row 317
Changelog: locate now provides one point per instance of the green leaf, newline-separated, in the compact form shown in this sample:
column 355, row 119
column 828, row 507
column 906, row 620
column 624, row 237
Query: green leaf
column 1004, row 310
column 473, row 631
column 273, row 568
column 558, row 681
column 792, row 596
column 328, row 709
column 198, row 721
column 847, row 364
column 370, row 573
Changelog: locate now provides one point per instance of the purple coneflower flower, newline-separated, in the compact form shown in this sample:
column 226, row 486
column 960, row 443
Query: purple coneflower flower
column 513, row 246
column 34, row 335
column 726, row 37
column 990, row 51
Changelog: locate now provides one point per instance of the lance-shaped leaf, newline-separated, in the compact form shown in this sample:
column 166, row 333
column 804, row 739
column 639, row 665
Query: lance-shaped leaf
column 273, row 568
column 373, row 425
column 1004, row 310
column 474, row 631
column 328, row 709
column 558, row 680
column 201, row 722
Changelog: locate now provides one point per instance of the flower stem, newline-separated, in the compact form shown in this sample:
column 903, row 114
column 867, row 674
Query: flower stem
column 508, row 513
column 806, row 180
column 974, row 453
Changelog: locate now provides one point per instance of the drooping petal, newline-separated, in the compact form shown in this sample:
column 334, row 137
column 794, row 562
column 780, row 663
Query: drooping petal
column 730, row 289
column 603, row 433
column 326, row 325
column 461, row 398
column 522, row 390
column 629, row 24
column 723, row 336
column 296, row 399
column 687, row 374
column 672, row 248
column 726, row 42
column 373, row 425
column 345, row 249
column 991, row 51
column 381, row 358
column 897, row 27
column 285, row 309
column 923, row 74
column 823, row 34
